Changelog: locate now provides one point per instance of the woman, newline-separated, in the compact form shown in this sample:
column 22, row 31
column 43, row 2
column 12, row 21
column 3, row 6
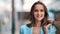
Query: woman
column 39, row 21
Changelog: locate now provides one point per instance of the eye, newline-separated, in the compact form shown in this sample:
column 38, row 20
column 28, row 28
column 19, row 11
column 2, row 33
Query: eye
column 42, row 10
column 35, row 10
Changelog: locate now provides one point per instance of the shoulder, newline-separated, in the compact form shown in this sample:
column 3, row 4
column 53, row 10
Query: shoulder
column 23, row 27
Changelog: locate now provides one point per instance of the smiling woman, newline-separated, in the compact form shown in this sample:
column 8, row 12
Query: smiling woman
column 39, row 12
column 39, row 21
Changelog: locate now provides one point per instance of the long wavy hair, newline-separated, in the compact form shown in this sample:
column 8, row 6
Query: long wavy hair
column 32, row 18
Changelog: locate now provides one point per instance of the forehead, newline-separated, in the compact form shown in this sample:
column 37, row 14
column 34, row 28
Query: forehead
column 39, row 6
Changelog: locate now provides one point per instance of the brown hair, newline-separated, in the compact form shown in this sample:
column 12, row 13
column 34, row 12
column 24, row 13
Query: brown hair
column 31, row 16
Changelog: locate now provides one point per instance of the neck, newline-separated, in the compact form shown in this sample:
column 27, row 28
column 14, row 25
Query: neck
column 38, row 24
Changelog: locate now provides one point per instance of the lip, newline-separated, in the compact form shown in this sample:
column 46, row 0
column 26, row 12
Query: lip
column 39, row 16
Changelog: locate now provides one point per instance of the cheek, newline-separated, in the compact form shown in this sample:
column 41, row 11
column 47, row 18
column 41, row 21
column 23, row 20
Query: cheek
column 43, row 15
column 35, row 14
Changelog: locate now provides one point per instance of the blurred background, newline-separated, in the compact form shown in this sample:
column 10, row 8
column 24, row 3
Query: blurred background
column 21, row 10
column 5, row 16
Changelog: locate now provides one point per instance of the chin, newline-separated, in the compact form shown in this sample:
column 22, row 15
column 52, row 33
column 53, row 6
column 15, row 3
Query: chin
column 39, row 19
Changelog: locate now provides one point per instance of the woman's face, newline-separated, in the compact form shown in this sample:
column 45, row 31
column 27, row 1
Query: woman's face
column 39, row 12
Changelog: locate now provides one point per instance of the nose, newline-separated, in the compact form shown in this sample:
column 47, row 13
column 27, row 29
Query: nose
column 39, row 12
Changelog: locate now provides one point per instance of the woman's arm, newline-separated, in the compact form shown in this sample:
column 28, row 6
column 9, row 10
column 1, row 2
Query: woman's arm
column 49, row 29
column 46, row 27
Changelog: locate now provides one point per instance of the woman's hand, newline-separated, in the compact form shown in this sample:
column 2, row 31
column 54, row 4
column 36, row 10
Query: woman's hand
column 46, row 27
